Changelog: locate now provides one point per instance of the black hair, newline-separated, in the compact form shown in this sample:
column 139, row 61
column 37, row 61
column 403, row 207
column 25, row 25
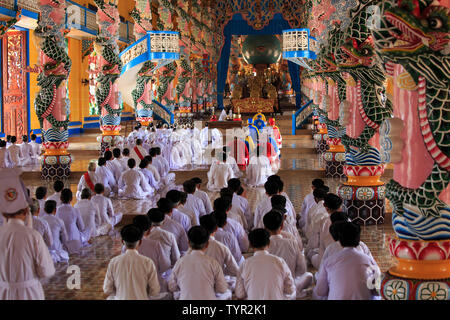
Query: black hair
column 208, row 221
column 142, row 221
column 183, row 197
column 33, row 137
column 25, row 138
column 240, row 191
column 334, row 229
column 158, row 150
column 234, row 184
column 41, row 192
column 143, row 163
column 155, row 215
column 222, row 204
column 99, row 188
column 221, row 218
column 165, row 205
column 138, row 142
column 197, row 180
column 131, row 163
column 349, row 234
column 189, row 186
column 317, row 183
column 130, row 235
column 116, row 152
column 271, row 187
column 278, row 201
column 319, row 193
column 198, row 237
column 226, row 192
column 101, row 161
column 13, row 139
column 66, row 195
column 126, row 152
column 259, row 238
column 174, row 196
column 272, row 220
column 152, row 152
column 108, row 155
column 332, row 202
column 50, row 206
column 338, row 216
column 58, row 185
column 277, row 179
column 85, row 193
column 149, row 159
column 2, row 143
column 8, row 138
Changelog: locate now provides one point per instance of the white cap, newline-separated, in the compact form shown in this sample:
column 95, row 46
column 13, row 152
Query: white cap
column 13, row 193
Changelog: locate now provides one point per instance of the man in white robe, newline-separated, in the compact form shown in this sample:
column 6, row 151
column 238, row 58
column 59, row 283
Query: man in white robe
column 14, row 153
column 202, row 195
column 36, row 149
column 26, row 152
column 117, row 165
column 58, row 186
column 24, row 257
column 106, row 177
column 169, row 224
column 41, row 225
column 288, row 250
column 240, row 202
column 227, row 237
column 316, row 215
column 132, row 183
column 219, row 174
column 185, row 220
column 41, row 195
column 138, row 152
column 193, row 203
column 197, row 276
column 87, row 180
column 89, row 213
column 264, row 276
column 5, row 161
column 346, row 274
column 58, row 229
column 265, row 205
column 308, row 202
column 108, row 217
column 258, row 169
column 131, row 276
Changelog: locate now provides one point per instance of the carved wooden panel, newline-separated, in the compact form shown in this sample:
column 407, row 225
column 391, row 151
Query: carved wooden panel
column 14, row 83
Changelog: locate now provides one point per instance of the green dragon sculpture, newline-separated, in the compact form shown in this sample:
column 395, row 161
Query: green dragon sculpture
column 356, row 56
column 415, row 34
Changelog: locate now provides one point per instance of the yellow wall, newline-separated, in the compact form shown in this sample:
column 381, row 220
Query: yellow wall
column 33, row 81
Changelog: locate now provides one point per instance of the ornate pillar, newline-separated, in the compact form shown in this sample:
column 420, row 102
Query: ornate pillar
column 142, row 94
column 51, row 104
column 109, row 66
column 419, row 192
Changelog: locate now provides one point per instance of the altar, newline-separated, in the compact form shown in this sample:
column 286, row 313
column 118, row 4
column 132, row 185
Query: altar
column 254, row 105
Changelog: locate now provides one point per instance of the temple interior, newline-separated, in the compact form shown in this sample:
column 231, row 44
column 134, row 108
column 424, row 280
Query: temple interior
column 354, row 93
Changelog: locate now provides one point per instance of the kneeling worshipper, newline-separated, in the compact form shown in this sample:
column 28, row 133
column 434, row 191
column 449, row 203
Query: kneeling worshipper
column 87, row 180
column 131, row 275
column 138, row 152
column 197, row 276
column 133, row 184
column 26, row 152
column 59, row 234
column 259, row 169
column 308, row 202
column 219, row 173
column 24, row 257
column 219, row 251
column 108, row 218
column 231, row 161
column 106, row 177
column 346, row 274
column 288, row 250
column 264, row 276
column 74, row 223
column 39, row 224
column 89, row 213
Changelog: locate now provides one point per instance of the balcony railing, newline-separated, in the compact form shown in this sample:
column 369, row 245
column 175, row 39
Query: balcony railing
column 84, row 20
column 301, row 115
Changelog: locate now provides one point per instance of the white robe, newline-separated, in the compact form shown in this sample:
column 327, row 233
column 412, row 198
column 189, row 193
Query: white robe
column 5, row 161
column 106, row 177
column 134, row 155
column 82, row 184
column 218, row 176
column 89, row 213
column 74, row 226
column 107, row 214
column 133, row 185
column 258, row 170
column 26, row 154
column 43, row 228
column 24, row 259
column 36, row 147
column 59, row 234
column 14, row 155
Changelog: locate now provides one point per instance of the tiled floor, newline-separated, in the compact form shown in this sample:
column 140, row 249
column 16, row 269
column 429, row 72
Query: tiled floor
column 298, row 167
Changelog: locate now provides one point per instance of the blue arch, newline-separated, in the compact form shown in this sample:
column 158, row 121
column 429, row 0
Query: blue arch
column 238, row 26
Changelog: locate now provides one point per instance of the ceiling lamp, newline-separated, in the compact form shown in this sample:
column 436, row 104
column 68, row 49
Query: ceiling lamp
column 299, row 47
